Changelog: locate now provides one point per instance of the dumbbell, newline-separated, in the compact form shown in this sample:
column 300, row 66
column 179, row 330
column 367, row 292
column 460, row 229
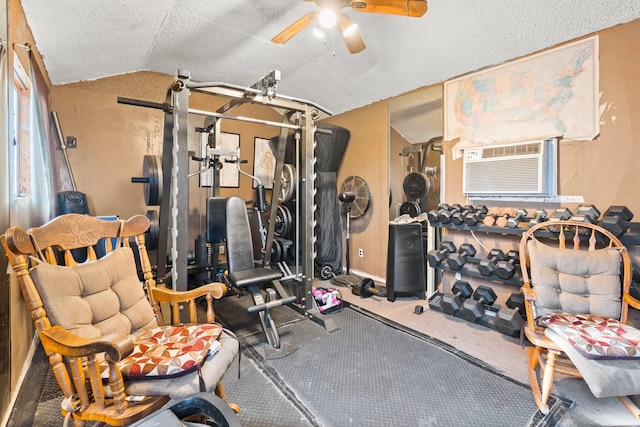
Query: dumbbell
column 367, row 288
column 452, row 303
column 515, row 220
column 477, row 216
column 458, row 217
column 490, row 218
column 560, row 214
column 473, row 308
column 436, row 256
column 432, row 215
column 456, row 261
column 539, row 216
column 510, row 319
column 616, row 220
column 487, row 266
column 634, row 289
column 506, row 269
column 505, row 214
column 444, row 216
column 586, row 213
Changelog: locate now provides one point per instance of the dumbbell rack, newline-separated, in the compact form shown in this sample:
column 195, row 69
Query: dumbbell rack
column 630, row 238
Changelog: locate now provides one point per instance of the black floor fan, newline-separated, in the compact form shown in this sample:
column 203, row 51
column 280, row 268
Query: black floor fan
column 347, row 279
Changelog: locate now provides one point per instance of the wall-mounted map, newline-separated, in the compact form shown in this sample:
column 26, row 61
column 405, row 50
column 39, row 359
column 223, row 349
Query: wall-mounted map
column 553, row 93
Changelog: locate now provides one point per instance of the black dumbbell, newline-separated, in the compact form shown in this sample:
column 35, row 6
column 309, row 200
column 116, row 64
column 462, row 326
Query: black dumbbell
column 506, row 269
column 452, row 303
column 458, row 217
column 560, row 214
column 433, row 215
column 539, row 216
column 456, row 261
column 586, row 213
column 478, row 215
column 473, row 308
column 515, row 220
column 510, row 319
column 487, row 266
column 616, row 220
column 367, row 288
column 634, row 289
column 444, row 216
column 436, row 256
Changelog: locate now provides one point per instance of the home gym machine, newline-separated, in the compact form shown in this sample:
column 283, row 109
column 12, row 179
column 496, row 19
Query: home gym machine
column 299, row 115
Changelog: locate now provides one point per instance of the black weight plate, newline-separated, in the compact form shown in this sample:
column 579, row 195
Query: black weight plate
column 151, row 236
column 415, row 185
column 412, row 208
column 152, row 170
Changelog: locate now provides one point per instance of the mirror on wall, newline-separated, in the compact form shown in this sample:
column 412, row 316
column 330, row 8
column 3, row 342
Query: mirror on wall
column 415, row 146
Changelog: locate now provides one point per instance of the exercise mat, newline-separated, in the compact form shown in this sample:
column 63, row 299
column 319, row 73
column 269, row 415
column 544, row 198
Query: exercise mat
column 374, row 373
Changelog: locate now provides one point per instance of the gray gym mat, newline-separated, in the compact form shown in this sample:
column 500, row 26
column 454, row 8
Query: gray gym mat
column 372, row 373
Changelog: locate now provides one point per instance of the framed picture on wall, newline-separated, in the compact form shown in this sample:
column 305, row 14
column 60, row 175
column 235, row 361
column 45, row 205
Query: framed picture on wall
column 229, row 175
column 264, row 163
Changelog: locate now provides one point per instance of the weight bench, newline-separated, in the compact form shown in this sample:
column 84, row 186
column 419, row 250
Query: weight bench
column 228, row 217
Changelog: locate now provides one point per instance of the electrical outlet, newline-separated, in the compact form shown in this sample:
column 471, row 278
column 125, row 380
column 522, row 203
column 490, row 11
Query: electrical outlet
column 361, row 253
column 221, row 249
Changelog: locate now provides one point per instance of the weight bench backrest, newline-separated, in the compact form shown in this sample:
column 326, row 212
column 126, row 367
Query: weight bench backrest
column 239, row 242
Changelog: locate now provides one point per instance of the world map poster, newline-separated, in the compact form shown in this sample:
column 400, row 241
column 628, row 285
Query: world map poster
column 553, row 93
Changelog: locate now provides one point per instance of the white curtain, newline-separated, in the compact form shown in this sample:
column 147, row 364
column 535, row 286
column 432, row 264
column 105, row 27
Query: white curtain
column 43, row 174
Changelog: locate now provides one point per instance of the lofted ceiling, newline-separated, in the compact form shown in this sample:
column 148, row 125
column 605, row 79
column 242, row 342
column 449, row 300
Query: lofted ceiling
column 229, row 41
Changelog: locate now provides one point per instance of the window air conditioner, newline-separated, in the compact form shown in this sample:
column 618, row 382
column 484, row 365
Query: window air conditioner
column 517, row 169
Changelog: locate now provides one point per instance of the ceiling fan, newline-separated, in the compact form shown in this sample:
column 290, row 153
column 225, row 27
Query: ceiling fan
column 330, row 15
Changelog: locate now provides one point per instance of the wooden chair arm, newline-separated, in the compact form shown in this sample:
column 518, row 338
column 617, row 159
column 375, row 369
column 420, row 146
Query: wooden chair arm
column 217, row 291
column 59, row 340
column 528, row 292
column 632, row 301
column 176, row 298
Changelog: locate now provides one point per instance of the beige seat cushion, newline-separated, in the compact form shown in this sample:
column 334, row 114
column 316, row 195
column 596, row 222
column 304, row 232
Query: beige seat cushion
column 97, row 297
column 572, row 281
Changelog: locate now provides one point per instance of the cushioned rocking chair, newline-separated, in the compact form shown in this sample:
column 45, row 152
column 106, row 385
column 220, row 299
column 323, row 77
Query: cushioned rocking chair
column 103, row 330
column 576, row 289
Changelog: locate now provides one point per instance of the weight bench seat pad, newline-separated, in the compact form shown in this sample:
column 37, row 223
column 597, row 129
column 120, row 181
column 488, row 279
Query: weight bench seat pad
column 254, row 276
column 605, row 377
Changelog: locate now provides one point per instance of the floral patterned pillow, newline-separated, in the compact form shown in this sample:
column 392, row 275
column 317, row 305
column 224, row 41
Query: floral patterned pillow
column 169, row 351
column 596, row 337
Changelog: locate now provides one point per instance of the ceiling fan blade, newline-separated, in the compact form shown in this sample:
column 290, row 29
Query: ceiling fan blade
column 295, row 28
column 350, row 35
column 413, row 8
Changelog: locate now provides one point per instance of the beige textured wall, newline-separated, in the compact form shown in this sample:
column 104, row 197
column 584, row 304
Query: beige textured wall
column 366, row 157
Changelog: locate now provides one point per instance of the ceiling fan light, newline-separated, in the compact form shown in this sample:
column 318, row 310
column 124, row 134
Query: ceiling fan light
column 350, row 30
column 327, row 18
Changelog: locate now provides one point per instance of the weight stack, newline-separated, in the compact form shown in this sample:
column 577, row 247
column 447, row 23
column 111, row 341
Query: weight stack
column 406, row 269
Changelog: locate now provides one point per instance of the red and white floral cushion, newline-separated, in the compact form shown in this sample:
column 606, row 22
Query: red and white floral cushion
column 595, row 337
column 169, row 351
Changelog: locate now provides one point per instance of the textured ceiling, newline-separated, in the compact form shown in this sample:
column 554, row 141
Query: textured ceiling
column 229, row 41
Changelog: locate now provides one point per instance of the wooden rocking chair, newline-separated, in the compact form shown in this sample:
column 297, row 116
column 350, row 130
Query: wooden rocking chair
column 576, row 281
column 90, row 316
